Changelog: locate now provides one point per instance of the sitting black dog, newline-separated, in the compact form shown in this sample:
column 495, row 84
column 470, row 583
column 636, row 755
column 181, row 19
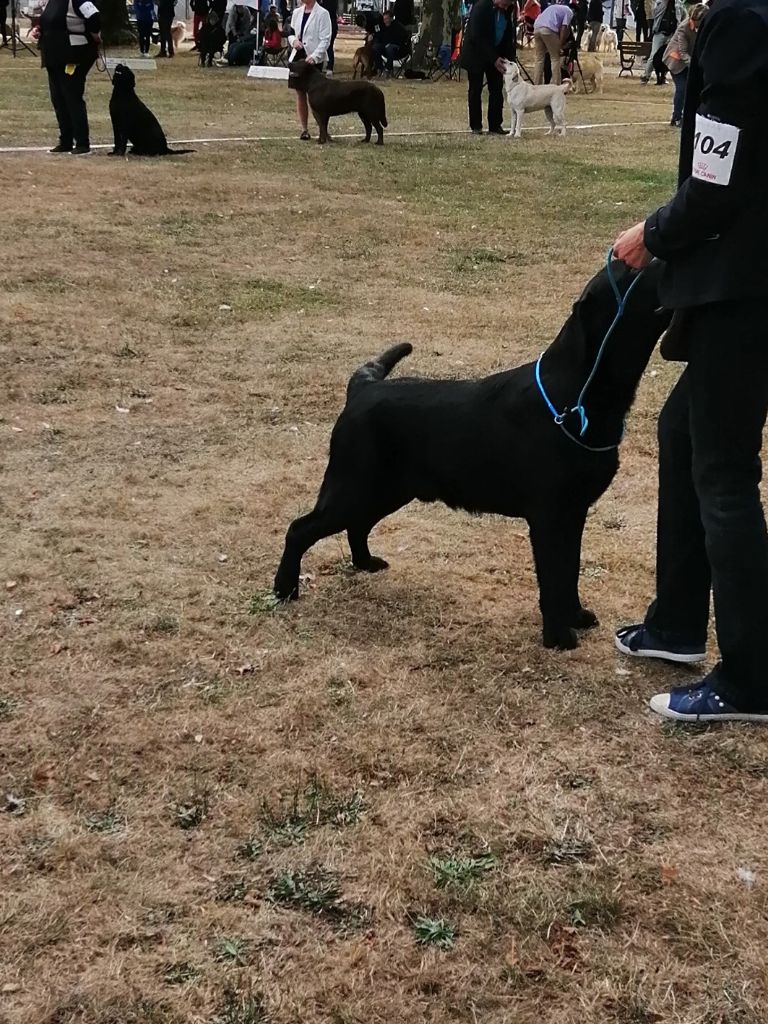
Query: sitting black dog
column 211, row 40
column 328, row 97
column 133, row 121
column 493, row 445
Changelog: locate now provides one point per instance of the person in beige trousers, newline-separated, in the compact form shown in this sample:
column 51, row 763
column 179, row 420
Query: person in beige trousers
column 550, row 34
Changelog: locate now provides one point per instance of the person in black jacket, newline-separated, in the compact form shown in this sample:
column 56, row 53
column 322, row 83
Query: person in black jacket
column 70, row 33
column 332, row 6
column 165, row 12
column 200, row 11
column 711, row 235
column 595, row 19
column 390, row 43
column 489, row 39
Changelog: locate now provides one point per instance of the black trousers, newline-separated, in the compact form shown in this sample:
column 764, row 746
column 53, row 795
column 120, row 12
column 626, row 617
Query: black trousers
column 166, row 40
column 334, row 33
column 641, row 23
column 68, row 99
column 144, row 29
column 495, row 98
column 711, row 526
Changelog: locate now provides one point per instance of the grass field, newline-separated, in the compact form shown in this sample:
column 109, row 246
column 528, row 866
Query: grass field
column 386, row 803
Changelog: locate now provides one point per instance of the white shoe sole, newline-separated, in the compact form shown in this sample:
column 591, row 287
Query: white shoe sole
column 680, row 659
column 659, row 705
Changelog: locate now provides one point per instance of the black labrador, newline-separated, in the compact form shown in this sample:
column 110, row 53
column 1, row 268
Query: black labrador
column 133, row 121
column 329, row 97
column 492, row 445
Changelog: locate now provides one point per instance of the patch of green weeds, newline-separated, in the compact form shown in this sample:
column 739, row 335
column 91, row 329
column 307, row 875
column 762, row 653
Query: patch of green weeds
column 459, row 871
column 432, row 931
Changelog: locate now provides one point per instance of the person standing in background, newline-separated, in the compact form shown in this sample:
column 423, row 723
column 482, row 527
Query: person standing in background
column 70, row 34
column 309, row 37
column 145, row 15
column 200, row 11
column 551, row 32
column 667, row 15
column 489, row 40
column 4, row 22
column 641, row 23
column 332, row 6
column 165, row 13
column 677, row 58
column 595, row 16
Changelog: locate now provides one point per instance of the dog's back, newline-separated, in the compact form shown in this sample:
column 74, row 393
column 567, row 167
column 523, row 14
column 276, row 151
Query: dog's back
column 332, row 97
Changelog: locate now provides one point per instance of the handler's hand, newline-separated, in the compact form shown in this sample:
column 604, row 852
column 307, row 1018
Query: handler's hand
column 310, row 60
column 297, row 44
column 630, row 247
column 500, row 65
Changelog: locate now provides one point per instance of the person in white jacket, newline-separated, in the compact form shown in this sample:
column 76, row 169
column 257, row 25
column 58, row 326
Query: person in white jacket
column 309, row 37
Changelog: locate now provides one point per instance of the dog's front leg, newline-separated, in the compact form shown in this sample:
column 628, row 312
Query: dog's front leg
column 518, row 123
column 120, row 142
column 556, row 541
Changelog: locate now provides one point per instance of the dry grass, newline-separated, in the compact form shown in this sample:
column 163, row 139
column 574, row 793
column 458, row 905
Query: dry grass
column 386, row 803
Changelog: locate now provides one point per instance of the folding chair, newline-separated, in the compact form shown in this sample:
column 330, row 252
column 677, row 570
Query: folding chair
column 454, row 68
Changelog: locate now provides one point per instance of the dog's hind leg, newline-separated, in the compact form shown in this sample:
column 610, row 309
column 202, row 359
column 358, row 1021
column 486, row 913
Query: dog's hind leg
column 361, row 556
column 368, row 126
column 379, row 132
column 302, row 534
column 550, row 118
column 556, row 540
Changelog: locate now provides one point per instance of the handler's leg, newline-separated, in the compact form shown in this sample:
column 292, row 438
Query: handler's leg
column 729, row 403
column 495, row 99
column 474, row 100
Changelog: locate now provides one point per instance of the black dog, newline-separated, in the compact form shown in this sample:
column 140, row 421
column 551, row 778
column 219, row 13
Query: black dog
column 329, row 97
column 133, row 121
column 212, row 39
column 492, row 445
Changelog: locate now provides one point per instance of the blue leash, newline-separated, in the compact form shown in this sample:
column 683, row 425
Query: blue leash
column 560, row 417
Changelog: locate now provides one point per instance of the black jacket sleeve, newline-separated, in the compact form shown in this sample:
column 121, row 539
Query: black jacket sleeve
column 482, row 26
column 728, row 71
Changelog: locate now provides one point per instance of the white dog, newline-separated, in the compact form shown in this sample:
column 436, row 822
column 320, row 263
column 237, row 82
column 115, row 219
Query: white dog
column 609, row 41
column 524, row 97
column 591, row 73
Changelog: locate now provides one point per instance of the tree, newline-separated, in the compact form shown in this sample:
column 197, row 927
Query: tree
column 438, row 19
column 115, row 27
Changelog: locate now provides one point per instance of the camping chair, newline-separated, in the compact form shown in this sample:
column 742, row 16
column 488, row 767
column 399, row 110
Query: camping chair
column 454, row 68
column 401, row 65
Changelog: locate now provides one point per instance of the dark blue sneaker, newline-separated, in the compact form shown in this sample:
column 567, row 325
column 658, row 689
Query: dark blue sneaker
column 640, row 642
column 701, row 703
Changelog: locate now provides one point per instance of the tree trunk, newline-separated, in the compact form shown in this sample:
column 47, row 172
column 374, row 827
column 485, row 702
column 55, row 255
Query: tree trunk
column 438, row 18
column 115, row 29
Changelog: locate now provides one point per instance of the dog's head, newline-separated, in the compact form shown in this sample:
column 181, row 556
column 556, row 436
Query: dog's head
column 123, row 78
column 511, row 72
column 636, row 332
column 300, row 73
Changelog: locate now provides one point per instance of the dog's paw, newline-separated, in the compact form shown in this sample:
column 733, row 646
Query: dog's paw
column 563, row 639
column 376, row 564
column 286, row 590
column 585, row 619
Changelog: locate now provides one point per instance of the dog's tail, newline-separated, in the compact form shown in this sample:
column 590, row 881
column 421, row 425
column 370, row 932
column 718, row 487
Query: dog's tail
column 378, row 368
column 385, row 124
column 567, row 86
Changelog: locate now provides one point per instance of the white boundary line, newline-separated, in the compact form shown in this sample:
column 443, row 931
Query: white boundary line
column 400, row 135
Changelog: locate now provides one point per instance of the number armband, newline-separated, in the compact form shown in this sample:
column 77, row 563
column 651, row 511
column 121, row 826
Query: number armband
column 714, row 150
